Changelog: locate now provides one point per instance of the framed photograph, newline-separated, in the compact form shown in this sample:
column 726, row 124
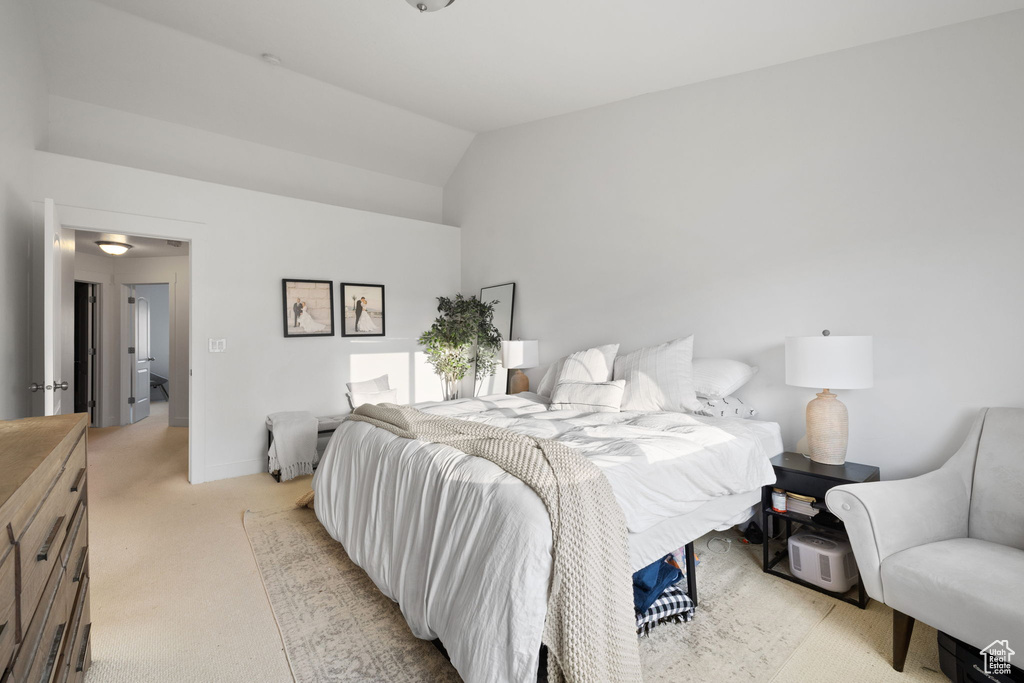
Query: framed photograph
column 308, row 308
column 362, row 308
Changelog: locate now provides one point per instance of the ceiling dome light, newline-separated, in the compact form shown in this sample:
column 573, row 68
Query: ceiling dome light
column 114, row 248
column 429, row 5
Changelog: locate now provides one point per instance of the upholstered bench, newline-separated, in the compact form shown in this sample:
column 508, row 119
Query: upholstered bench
column 325, row 425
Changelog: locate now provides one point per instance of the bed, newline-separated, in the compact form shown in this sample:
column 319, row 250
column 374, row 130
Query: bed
column 465, row 548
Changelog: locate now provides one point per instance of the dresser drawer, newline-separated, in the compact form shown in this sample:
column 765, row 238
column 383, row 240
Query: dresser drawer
column 8, row 611
column 46, row 632
column 75, row 656
column 23, row 504
column 41, row 544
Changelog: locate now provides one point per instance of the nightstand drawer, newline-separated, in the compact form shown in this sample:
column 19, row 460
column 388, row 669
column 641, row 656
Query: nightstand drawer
column 797, row 482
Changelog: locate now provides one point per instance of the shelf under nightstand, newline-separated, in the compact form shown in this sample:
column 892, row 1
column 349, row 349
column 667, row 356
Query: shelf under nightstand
column 800, row 475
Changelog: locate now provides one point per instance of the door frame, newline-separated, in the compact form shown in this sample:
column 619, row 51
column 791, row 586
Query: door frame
column 101, row 220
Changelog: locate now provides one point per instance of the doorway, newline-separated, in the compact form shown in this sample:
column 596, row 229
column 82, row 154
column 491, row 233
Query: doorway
column 86, row 348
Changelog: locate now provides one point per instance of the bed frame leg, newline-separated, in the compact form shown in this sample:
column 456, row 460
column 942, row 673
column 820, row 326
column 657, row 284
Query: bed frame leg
column 691, row 572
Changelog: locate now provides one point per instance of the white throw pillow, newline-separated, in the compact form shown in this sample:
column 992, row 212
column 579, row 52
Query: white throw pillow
column 590, row 397
column 381, row 383
column 720, row 377
column 358, row 398
column 727, row 406
column 659, row 377
column 591, row 365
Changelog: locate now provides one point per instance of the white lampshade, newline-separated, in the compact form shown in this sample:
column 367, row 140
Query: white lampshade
column 519, row 354
column 829, row 362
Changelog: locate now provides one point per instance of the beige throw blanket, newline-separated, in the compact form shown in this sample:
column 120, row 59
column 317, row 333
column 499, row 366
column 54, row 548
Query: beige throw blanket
column 590, row 628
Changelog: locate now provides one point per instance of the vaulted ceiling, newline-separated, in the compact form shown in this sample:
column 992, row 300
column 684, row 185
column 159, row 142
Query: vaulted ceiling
column 375, row 84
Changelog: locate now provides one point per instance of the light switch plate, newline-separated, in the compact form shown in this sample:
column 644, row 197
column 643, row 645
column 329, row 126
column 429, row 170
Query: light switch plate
column 218, row 345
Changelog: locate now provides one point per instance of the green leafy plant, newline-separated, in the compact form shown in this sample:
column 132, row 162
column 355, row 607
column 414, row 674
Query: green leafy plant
column 463, row 335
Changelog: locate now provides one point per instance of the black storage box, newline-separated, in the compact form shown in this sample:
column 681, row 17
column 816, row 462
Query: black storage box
column 963, row 663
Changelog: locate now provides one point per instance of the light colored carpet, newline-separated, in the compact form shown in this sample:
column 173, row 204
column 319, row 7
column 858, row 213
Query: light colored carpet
column 750, row 626
column 177, row 595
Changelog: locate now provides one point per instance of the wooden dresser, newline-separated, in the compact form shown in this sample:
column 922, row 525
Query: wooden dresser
column 44, row 550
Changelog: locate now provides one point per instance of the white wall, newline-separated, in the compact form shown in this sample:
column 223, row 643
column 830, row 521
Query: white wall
column 874, row 191
column 159, row 300
column 242, row 244
column 118, row 137
column 22, row 129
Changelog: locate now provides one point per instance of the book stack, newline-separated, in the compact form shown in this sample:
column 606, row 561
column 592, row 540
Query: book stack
column 801, row 505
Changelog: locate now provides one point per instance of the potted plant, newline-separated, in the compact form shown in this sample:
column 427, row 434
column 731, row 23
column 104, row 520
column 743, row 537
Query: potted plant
column 463, row 335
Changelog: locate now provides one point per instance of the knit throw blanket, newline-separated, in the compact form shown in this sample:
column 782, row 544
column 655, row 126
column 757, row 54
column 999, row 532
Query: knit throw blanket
column 590, row 629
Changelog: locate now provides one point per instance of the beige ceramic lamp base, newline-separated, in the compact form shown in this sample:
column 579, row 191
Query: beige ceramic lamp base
column 828, row 428
column 519, row 382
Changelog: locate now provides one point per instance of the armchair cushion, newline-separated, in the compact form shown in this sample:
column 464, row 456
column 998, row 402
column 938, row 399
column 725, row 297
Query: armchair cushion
column 969, row 588
column 997, row 510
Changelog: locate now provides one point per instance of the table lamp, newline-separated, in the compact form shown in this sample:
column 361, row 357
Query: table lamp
column 835, row 363
column 516, row 355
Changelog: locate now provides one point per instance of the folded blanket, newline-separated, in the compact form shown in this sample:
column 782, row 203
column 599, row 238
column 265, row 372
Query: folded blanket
column 590, row 624
column 651, row 581
column 674, row 605
column 293, row 448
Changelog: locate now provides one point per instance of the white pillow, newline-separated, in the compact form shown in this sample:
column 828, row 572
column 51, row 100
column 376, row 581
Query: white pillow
column 591, row 365
column 358, row 398
column 720, row 377
column 659, row 377
column 369, row 386
column 590, row 397
column 727, row 406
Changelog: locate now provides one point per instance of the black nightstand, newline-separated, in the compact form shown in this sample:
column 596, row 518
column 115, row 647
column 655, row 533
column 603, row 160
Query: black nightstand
column 796, row 473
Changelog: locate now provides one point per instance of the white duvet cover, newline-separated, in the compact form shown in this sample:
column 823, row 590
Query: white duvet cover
column 465, row 548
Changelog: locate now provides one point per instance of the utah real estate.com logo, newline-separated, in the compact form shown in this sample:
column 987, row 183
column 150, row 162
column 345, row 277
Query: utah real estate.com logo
column 996, row 658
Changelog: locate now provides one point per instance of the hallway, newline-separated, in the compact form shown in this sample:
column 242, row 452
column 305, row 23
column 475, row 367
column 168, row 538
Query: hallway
column 176, row 595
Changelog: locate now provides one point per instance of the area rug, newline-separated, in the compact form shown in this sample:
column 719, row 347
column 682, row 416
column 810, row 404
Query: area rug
column 336, row 625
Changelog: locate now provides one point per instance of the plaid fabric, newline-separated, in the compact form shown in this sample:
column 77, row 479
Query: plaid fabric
column 674, row 605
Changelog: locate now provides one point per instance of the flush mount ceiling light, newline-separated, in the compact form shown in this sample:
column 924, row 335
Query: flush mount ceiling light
column 114, row 248
column 429, row 5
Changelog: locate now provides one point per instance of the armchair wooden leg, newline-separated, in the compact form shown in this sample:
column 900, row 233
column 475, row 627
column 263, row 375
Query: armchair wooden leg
column 902, row 629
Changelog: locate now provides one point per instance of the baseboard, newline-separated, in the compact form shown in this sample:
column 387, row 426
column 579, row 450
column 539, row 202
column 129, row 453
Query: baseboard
column 177, row 422
column 229, row 470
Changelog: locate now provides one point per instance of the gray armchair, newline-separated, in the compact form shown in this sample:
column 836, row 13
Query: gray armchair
column 947, row 547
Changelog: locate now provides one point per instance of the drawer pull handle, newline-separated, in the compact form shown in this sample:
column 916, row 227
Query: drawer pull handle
column 78, row 480
column 85, row 647
column 44, row 550
column 80, row 566
column 51, row 659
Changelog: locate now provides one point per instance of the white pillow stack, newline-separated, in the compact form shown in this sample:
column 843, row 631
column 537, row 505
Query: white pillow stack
column 591, row 365
column 659, row 377
column 589, row 397
column 720, row 377
column 372, row 391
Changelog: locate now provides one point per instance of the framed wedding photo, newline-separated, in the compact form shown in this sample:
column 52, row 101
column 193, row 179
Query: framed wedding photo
column 362, row 308
column 308, row 308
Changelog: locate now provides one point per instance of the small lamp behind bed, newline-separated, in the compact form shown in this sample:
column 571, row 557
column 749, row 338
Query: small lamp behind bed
column 516, row 355
column 835, row 363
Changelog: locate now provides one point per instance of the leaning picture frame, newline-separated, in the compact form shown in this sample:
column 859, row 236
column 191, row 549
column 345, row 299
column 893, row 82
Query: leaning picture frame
column 362, row 310
column 308, row 308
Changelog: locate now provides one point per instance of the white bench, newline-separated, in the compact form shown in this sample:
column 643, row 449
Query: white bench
column 325, row 425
